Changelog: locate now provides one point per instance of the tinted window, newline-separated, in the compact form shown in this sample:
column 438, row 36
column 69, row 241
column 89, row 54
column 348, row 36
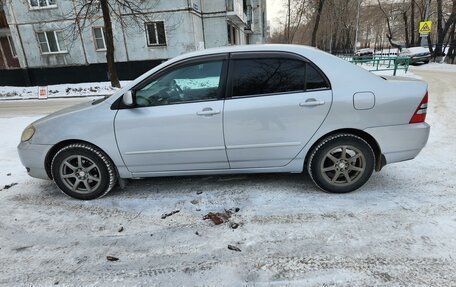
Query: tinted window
column 314, row 80
column 267, row 76
column 191, row 83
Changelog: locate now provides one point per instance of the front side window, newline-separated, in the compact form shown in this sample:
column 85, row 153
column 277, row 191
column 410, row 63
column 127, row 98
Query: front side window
column 99, row 38
column 42, row 3
column 267, row 76
column 189, row 83
column 51, row 42
column 155, row 32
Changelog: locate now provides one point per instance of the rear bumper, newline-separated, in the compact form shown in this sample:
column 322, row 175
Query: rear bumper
column 33, row 157
column 401, row 142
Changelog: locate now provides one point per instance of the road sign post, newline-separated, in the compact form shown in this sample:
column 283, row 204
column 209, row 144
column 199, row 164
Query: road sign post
column 425, row 28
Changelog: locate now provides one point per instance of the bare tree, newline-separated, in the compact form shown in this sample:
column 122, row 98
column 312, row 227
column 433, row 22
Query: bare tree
column 450, row 58
column 320, row 4
column 112, row 70
column 387, row 17
column 124, row 12
column 443, row 27
column 412, row 23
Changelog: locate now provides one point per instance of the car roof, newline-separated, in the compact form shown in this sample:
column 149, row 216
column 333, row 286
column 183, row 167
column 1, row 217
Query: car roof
column 250, row 48
column 418, row 49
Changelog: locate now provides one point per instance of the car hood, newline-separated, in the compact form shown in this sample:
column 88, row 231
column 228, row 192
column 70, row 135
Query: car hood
column 65, row 112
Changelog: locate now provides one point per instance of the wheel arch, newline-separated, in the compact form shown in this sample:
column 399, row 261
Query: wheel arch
column 53, row 151
column 379, row 157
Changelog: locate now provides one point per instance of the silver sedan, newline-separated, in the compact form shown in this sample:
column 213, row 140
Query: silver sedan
column 251, row 109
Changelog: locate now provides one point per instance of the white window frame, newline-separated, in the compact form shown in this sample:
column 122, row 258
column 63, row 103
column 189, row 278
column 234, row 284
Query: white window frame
column 47, row 42
column 48, row 6
column 103, row 37
column 156, row 34
column 12, row 46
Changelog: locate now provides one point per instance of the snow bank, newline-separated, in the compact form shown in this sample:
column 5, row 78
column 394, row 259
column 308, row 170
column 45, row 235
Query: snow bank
column 11, row 169
column 59, row 91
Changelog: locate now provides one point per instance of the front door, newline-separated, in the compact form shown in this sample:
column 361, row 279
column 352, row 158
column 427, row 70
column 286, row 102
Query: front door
column 177, row 123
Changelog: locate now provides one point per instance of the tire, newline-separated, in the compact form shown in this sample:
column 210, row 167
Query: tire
column 333, row 172
column 82, row 171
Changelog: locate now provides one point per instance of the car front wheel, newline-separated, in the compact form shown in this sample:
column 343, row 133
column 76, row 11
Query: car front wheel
column 82, row 171
column 341, row 163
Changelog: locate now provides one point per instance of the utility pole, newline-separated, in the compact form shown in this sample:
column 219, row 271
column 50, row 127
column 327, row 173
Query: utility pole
column 426, row 15
column 357, row 25
column 330, row 37
column 289, row 21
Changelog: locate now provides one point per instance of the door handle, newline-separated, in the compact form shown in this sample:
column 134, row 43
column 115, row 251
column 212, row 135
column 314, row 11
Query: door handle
column 207, row 112
column 311, row 103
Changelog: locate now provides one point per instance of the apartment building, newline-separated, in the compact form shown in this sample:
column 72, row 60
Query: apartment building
column 41, row 39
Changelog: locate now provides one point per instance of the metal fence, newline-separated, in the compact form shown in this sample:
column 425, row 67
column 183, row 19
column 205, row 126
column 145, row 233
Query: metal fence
column 379, row 62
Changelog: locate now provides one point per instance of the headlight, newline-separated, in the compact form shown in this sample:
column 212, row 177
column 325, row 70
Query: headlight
column 27, row 133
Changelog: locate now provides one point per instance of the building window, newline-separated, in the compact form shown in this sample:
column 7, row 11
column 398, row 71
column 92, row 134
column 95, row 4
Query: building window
column 155, row 32
column 232, row 35
column 37, row 4
column 13, row 48
column 99, row 36
column 51, row 42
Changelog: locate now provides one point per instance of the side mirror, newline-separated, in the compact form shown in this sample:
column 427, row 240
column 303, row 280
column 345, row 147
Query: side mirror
column 127, row 98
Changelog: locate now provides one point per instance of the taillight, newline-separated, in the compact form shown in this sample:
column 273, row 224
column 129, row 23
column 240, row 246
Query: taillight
column 420, row 114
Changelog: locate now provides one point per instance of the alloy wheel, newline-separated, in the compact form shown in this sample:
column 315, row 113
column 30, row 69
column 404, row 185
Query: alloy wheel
column 343, row 165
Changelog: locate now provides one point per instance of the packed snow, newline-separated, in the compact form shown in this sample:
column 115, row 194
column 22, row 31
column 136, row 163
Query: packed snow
column 397, row 230
column 442, row 67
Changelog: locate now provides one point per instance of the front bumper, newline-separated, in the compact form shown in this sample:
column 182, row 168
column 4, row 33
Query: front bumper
column 33, row 157
column 401, row 142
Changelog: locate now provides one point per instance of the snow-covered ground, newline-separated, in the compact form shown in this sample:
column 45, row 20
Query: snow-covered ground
column 59, row 91
column 443, row 67
column 398, row 230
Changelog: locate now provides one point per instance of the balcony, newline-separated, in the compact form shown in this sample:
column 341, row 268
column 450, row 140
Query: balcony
column 235, row 12
column 250, row 27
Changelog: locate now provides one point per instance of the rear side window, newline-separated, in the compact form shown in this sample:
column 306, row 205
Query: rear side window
column 267, row 76
column 314, row 79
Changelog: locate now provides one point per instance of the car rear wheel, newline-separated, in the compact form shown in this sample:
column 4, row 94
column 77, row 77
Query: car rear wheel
column 341, row 163
column 82, row 171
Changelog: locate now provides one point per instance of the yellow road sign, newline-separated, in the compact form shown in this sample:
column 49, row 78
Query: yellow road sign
column 425, row 27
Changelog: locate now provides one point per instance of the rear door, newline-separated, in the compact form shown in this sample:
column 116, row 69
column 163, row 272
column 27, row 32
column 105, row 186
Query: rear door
column 275, row 103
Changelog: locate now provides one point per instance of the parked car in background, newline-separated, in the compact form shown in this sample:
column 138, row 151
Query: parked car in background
column 364, row 54
column 240, row 109
column 416, row 54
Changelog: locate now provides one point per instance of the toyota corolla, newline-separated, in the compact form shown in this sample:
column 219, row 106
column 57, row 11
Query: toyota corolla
column 244, row 109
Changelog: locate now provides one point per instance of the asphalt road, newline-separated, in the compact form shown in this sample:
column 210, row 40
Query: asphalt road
column 14, row 108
